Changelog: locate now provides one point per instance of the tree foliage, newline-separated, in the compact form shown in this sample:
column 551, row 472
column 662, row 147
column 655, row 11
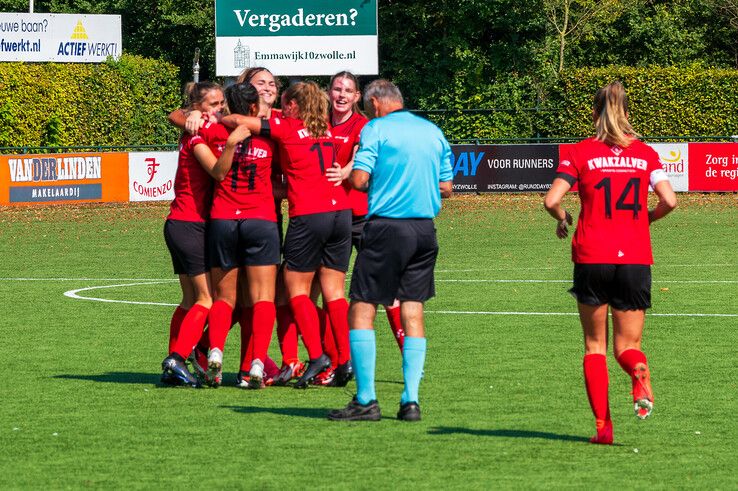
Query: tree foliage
column 506, row 56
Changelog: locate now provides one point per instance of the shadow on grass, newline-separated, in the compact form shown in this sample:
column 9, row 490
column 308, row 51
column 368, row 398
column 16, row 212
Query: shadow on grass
column 396, row 382
column 303, row 412
column 117, row 378
column 544, row 435
column 229, row 379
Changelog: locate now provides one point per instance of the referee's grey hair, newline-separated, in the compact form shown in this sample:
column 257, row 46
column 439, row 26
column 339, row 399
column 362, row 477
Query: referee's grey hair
column 382, row 90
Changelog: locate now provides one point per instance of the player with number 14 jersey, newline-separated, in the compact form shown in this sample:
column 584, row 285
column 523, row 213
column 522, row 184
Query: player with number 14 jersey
column 613, row 226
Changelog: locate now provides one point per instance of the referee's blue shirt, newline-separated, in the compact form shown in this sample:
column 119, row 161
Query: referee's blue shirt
column 406, row 157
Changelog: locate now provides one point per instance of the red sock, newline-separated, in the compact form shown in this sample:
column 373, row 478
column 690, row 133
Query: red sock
column 287, row 335
column 246, row 321
column 306, row 316
column 264, row 315
column 338, row 312
column 271, row 369
column 220, row 323
column 596, row 381
column 630, row 358
column 204, row 343
column 174, row 326
column 326, row 334
column 395, row 322
column 201, row 353
column 190, row 330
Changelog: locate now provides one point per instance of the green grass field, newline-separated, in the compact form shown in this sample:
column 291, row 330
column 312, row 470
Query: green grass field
column 503, row 399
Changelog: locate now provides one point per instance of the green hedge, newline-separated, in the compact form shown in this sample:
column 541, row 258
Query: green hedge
column 670, row 101
column 122, row 102
column 664, row 101
column 126, row 102
column 502, row 109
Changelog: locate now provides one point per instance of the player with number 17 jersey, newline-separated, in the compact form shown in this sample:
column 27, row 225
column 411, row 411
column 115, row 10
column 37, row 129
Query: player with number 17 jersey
column 246, row 191
column 304, row 162
column 613, row 226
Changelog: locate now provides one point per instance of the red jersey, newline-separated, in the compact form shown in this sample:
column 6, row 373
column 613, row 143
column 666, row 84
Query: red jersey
column 304, row 160
column 246, row 191
column 349, row 132
column 613, row 189
column 193, row 186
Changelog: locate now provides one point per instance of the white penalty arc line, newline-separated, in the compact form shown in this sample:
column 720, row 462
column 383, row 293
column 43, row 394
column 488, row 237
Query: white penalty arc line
column 74, row 294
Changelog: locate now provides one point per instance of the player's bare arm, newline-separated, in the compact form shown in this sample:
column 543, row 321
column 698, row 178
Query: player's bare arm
column 359, row 180
column 446, row 188
column 221, row 167
column 552, row 203
column 667, row 201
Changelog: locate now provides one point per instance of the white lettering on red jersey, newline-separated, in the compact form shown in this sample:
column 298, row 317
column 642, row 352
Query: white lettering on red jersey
column 304, row 160
column 246, row 191
column 613, row 184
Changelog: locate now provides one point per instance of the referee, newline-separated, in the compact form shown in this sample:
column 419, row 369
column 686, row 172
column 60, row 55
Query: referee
column 404, row 164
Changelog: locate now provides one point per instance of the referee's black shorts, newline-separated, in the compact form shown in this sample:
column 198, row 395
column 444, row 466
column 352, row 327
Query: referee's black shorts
column 188, row 246
column 246, row 242
column 318, row 239
column 357, row 227
column 395, row 261
column 622, row 286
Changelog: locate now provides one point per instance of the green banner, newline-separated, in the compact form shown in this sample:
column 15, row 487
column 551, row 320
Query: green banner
column 250, row 18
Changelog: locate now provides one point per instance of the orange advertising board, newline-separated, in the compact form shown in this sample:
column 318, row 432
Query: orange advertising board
column 63, row 178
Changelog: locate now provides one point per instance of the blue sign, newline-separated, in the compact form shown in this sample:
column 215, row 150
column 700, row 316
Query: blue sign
column 40, row 194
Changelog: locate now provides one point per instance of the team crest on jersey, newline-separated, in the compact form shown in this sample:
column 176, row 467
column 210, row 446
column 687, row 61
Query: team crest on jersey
column 616, row 150
column 565, row 163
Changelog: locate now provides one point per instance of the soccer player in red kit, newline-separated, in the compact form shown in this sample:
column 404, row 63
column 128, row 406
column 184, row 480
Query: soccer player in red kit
column 319, row 233
column 611, row 248
column 268, row 89
column 184, row 233
column 243, row 232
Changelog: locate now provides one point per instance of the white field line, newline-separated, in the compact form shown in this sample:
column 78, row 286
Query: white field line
column 459, row 312
column 482, row 280
column 160, row 280
column 74, row 294
column 470, row 280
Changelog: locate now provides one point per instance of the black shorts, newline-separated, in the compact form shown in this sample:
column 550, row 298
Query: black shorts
column 623, row 286
column 357, row 227
column 396, row 261
column 318, row 239
column 280, row 222
column 249, row 242
column 187, row 246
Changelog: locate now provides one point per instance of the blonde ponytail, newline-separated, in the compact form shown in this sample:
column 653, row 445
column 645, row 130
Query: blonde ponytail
column 313, row 104
column 611, row 116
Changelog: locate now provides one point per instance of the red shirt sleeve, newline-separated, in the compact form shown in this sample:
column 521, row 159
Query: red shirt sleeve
column 568, row 166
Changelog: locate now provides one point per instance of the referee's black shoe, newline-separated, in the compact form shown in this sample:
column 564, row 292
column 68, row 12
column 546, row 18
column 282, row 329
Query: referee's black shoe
column 343, row 374
column 355, row 411
column 315, row 366
column 410, row 411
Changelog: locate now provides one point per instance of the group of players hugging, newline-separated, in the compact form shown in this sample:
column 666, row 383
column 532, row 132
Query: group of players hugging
column 238, row 159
